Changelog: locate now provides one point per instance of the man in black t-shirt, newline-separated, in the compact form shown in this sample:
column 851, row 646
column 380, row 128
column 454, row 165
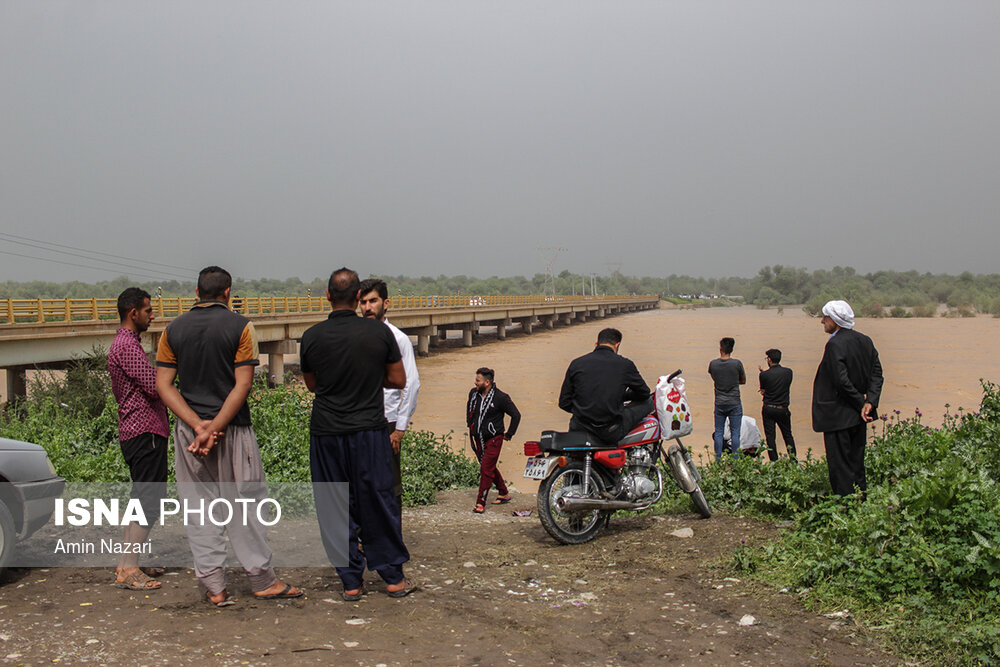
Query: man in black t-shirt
column 775, row 385
column 347, row 360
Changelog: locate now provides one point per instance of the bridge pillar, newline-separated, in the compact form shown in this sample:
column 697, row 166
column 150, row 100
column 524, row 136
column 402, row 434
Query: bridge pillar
column 601, row 312
column 526, row 324
column 502, row 328
column 17, row 383
column 424, row 335
column 548, row 321
column 582, row 316
column 438, row 335
column 467, row 334
column 276, row 351
column 566, row 318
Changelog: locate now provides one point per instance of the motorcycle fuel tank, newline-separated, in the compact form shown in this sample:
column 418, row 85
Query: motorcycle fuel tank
column 648, row 431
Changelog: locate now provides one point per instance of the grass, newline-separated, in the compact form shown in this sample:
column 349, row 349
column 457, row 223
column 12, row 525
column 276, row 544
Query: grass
column 918, row 560
column 74, row 416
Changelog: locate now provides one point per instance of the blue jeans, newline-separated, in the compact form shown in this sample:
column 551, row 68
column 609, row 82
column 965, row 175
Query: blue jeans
column 734, row 413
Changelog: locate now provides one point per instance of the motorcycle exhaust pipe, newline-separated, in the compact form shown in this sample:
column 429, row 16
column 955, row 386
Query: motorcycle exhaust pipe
column 588, row 504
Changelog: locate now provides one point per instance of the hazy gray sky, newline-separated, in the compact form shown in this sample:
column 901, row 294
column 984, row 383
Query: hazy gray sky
column 709, row 138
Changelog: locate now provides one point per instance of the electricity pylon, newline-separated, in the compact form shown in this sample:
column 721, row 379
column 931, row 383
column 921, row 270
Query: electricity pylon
column 549, row 255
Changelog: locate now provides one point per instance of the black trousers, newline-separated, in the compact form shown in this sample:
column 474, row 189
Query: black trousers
column 782, row 417
column 845, row 457
column 146, row 457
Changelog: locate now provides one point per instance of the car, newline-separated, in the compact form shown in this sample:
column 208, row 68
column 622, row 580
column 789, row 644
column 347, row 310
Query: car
column 28, row 486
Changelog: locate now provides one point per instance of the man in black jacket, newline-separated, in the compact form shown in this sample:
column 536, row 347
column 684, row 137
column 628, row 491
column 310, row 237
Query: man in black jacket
column 596, row 387
column 484, row 416
column 845, row 396
column 775, row 385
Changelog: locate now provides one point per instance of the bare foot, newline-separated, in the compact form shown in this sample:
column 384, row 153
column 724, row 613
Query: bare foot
column 220, row 599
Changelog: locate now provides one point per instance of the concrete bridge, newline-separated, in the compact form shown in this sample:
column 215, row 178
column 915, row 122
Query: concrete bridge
column 48, row 333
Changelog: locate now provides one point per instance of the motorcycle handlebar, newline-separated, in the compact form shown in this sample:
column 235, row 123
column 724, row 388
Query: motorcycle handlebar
column 673, row 375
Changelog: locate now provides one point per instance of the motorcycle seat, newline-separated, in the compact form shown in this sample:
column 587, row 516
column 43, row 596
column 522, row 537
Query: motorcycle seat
column 571, row 441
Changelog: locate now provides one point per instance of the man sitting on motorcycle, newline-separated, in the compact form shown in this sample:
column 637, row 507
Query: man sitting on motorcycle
column 597, row 386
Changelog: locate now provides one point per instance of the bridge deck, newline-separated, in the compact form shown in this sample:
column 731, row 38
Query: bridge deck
column 61, row 331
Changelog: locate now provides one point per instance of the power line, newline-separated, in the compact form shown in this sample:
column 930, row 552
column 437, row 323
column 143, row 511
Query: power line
column 93, row 252
column 82, row 266
column 93, row 259
column 550, row 254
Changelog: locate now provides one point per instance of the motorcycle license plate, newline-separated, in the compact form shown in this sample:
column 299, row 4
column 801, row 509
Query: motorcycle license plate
column 537, row 467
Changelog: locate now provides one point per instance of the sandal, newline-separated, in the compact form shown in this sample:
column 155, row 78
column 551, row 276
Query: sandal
column 352, row 597
column 138, row 581
column 284, row 594
column 226, row 601
column 402, row 592
column 479, row 509
column 502, row 500
column 154, row 571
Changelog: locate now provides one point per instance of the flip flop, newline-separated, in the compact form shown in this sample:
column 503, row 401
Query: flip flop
column 403, row 592
column 138, row 581
column 352, row 597
column 284, row 594
column 154, row 571
column 224, row 602
column 479, row 509
column 502, row 500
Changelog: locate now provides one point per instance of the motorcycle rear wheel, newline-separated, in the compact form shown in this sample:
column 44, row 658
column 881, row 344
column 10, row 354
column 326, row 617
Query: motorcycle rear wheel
column 575, row 527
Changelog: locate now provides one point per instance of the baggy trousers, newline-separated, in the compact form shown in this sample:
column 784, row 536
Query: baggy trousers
column 488, row 456
column 364, row 461
column 845, row 457
column 231, row 470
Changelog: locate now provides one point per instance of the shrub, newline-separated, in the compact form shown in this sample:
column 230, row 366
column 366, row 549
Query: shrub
column 922, row 553
column 430, row 465
column 82, row 440
column 778, row 490
column 924, row 310
column 83, row 386
column 871, row 309
column 899, row 311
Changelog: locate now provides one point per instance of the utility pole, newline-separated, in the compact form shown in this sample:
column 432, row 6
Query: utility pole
column 549, row 255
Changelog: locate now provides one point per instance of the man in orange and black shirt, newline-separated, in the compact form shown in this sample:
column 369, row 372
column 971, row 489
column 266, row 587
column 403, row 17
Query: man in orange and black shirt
column 213, row 352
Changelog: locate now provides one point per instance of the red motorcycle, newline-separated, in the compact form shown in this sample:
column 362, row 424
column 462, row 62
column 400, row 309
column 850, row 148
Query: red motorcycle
column 584, row 481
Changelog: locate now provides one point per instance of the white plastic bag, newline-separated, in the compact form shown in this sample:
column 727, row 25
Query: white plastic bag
column 672, row 408
column 749, row 434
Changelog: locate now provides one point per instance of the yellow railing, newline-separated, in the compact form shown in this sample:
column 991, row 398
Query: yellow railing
column 14, row 311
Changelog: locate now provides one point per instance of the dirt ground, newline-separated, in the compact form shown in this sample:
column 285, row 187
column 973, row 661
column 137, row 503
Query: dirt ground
column 494, row 590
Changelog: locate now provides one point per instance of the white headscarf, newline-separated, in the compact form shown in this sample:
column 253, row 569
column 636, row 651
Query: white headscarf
column 841, row 313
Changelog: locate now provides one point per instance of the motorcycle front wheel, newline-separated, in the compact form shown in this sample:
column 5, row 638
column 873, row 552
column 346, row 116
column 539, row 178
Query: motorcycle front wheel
column 571, row 527
column 687, row 477
column 700, row 504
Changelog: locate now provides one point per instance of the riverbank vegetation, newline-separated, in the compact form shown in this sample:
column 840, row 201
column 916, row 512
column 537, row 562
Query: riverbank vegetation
column 877, row 294
column 918, row 560
column 74, row 416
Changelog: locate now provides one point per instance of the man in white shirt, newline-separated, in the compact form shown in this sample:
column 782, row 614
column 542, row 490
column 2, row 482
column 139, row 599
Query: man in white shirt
column 400, row 404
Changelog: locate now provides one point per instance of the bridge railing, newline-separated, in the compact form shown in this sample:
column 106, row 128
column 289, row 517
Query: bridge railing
column 14, row 311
